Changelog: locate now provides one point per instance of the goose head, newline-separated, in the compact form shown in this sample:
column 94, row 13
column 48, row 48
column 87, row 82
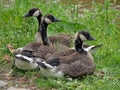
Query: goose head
column 83, row 36
column 35, row 12
column 80, row 37
column 50, row 18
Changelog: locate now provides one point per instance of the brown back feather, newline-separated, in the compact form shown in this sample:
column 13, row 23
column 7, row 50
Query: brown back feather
column 77, row 69
column 43, row 51
column 64, row 39
column 61, row 53
column 77, row 65
column 32, row 46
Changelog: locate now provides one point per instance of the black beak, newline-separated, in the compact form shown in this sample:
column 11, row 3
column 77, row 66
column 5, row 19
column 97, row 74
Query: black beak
column 91, row 38
column 26, row 15
column 57, row 20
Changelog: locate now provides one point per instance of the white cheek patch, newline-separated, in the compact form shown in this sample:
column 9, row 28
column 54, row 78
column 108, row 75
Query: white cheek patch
column 48, row 21
column 82, row 37
column 36, row 14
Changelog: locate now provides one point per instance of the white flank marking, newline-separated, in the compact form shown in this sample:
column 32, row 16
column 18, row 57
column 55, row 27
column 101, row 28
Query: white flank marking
column 48, row 65
column 25, row 57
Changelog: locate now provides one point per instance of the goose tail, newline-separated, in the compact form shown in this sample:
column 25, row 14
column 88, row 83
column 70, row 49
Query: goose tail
column 92, row 49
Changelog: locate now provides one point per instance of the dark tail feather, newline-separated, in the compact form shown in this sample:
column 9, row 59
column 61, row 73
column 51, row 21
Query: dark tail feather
column 54, row 62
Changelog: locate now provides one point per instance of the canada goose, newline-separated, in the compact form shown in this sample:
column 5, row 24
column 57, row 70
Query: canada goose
column 76, row 64
column 42, row 49
column 64, row 39
column 35, row 12
column 33, row 46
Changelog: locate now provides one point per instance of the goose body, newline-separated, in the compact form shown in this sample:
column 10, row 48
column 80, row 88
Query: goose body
column 78, row 63
column 28, row 60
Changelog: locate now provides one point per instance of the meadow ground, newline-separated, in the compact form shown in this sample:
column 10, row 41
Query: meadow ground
column 101, row 20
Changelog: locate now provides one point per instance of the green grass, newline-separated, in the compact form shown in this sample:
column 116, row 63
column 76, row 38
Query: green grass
column 102, row 23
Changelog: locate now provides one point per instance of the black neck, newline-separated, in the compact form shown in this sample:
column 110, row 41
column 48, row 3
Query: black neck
column 79, row 46
column 43, row 28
